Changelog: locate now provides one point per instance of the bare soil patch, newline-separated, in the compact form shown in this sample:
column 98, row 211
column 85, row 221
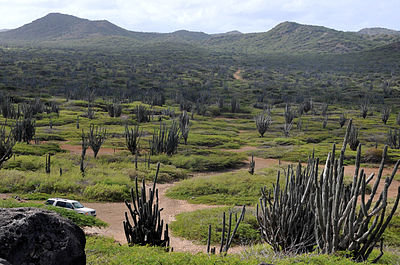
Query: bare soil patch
column 237, row 75
column 77, row 149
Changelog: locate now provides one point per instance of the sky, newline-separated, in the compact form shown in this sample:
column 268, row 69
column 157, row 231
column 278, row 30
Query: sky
column 210, row 16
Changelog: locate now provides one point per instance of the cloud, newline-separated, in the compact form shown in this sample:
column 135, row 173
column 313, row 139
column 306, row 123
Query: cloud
column 210, row 16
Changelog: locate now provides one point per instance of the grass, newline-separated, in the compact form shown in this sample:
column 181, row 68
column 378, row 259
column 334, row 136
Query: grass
column 79, row 219
column 236, row 188
column 194, row 226
column 109, row 177
column 100, row 250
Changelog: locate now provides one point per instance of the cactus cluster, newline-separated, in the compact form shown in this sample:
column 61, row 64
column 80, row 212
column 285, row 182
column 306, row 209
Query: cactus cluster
column 96, row 138
column 7, row 143
column 226, row 242
column 285, row 215
column 184, row 125
column 143, row 114
column 165, row 139
column 24, row 130
column 393, row 138
column 340, row 216
column 132, row 137
column 114, row 110
column 263, row 122
column 143, row 225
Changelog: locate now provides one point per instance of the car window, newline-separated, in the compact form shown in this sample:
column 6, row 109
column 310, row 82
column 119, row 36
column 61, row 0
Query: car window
column 49, row 202
column 61, row 204
column 77, row 205
column 69, row 206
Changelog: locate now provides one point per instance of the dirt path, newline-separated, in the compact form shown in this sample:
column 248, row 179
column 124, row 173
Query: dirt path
column 237, row 75
column 113, row 214
column 77, row 150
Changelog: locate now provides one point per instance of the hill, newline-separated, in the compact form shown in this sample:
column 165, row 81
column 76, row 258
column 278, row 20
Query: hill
column 61, row 30
column 55, row 26
column 293, row 38
column 379, row 31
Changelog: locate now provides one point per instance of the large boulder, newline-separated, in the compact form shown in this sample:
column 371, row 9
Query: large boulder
column 36, row 236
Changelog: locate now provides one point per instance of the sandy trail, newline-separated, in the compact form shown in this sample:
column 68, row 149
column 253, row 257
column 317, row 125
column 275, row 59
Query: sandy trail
column 113, row 214
column 237, row 75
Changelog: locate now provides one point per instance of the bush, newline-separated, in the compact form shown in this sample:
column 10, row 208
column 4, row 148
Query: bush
column 194, row 226
column 372, row 155
column 105, row 192
column 22, row 165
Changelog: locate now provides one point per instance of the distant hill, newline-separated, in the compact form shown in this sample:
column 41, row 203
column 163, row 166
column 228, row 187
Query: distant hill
column 233, row 32
column 2, row 30
column 379, row 31
column 295, row 38
column 55, row 26
column 287, row 37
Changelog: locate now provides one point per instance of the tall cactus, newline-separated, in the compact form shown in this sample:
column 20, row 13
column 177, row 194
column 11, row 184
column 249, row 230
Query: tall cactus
column 132, row 137
column 48, row 163
column 7, row 143
column 393, row 138
column 96, row 137
column 165, row 140
column 289, row 115
column 226, row 242
column 85, row 146
column 385, row 114
column 184, row 125
column 262, row 123
column 342, row 120
column 339, row 223
column 146, row 227
column 364, row 109
column 353, row 137
column 344, row 218
column 285, row 215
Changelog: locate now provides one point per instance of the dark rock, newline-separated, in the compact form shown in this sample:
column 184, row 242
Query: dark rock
column 36, row 236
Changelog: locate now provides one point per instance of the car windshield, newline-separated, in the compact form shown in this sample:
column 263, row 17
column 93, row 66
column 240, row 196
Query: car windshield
column 77, row 205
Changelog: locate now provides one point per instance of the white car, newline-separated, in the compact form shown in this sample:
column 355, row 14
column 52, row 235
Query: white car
column 71, row 205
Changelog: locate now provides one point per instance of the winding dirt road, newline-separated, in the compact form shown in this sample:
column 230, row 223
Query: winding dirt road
column 113, row 213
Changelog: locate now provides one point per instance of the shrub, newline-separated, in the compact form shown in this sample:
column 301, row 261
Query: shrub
column 105, row 192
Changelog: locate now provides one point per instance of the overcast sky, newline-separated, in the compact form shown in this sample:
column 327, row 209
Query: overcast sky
column 210, row 16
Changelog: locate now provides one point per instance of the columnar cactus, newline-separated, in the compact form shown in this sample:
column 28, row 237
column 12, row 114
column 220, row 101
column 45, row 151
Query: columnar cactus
column 262, row 122
column 7, row 143
column 48, row 163
column 342, row 217
column 285, row 215
column 132, row 137
column 145, row 226
column 96, row 138
column 184, row 125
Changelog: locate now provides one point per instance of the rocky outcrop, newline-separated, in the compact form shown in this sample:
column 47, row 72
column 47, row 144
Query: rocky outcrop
column 36, row 236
